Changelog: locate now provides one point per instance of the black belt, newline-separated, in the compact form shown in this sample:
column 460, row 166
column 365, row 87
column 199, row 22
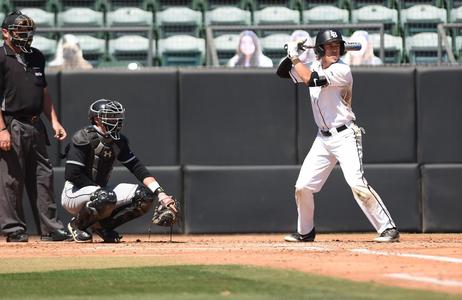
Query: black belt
column 23, row 119
column 339, row 129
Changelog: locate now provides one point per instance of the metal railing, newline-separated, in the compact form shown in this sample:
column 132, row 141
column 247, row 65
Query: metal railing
column 146, row 29
column 212, row 56
column 443, row 42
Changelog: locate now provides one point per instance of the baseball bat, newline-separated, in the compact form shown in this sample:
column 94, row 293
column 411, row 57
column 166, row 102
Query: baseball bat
column 348, row 46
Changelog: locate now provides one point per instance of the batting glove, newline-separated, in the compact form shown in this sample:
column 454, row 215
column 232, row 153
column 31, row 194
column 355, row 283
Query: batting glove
column 292, row 50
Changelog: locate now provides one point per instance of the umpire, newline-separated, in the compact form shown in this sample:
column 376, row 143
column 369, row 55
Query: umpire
column 23, row 139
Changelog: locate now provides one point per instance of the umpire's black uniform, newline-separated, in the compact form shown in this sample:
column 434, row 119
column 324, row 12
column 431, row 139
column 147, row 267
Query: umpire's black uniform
column 22, row 84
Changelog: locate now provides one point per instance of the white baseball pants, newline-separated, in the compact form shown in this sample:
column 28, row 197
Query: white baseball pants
column 346, row 148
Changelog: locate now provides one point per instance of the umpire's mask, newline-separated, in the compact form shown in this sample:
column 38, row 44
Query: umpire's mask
column 21, row 29
column 111, row 113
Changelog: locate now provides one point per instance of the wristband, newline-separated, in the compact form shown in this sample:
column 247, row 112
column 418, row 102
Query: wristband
column 155, row 188
column 4, row 128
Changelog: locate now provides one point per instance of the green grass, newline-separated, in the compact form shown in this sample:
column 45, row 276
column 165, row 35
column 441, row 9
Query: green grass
column 195, row 282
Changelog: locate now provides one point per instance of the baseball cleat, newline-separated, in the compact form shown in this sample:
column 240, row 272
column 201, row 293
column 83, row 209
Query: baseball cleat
column 300, row 238
column 80, row 236
column 108, row 235
column 389, row 235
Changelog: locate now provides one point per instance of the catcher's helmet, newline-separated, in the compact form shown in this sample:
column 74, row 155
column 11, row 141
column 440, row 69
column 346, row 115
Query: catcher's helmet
column 111, row 113
column 326, row 36
column 21, row 29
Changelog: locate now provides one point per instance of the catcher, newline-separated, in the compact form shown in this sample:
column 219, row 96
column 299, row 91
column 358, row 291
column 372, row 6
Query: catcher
column 90, row 159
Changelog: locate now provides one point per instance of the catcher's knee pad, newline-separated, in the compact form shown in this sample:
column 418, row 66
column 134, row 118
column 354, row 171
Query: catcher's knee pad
column 143, row 199
column 139, row 205
column 103, row 202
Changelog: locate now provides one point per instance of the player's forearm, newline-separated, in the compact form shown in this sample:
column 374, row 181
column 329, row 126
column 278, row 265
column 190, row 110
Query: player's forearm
column 48, row 107
column 303, row 72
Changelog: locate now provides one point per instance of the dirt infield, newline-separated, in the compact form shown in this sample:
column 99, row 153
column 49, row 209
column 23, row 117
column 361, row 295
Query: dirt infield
column 425, row 261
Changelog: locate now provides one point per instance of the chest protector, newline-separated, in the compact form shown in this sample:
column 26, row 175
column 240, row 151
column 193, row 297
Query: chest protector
column 103, row 153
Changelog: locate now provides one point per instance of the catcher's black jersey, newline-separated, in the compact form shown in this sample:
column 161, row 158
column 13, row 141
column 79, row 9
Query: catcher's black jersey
column 96, row 154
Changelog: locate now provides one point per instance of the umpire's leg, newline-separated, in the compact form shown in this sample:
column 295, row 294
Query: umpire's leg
column 12, row 183
column 39, row 183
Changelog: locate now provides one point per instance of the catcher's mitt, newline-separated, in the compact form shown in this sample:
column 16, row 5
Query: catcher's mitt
column 166, row 212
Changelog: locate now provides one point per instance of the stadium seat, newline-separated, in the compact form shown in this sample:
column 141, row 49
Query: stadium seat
column 182, row 50
column 178, row 21
column 393, row 47
column 227, row 16
column 131, row 48
column 377, row 14
column 422, row 48
column 193, row 4
column 97, row 5
column 2, row 17
column 242, row 4
column 273, row 46
column 422, row 18
column 292, row 4
column 129, row 16
column 226, row 46
column 308, row 4
column 276, row 15
column 355, row 4
column 456, row 17
column 80, row 17
column 325, row 14
column 147, row 5
column 47, row 5
column 409, row 3
column 41, row 17
column 459, row 48
column 45, row 45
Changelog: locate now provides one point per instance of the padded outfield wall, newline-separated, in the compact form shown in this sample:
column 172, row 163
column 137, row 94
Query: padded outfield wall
column 229, row 144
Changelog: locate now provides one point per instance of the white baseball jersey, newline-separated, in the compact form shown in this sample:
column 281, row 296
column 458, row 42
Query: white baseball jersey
column 332, row 107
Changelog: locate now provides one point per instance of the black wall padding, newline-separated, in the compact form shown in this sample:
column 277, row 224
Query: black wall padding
column 169, row 177
column 439, row 91
column 53, row 81
column 240, row 199
column 442, row 197
column 261, row 199
column 384, row 105
column 150, row 100
column 397, row 185
column 236, row 117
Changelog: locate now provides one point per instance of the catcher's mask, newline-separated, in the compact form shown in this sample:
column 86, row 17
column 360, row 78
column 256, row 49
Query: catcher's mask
column 21, row 29
column 326, row 36
column 111, row 113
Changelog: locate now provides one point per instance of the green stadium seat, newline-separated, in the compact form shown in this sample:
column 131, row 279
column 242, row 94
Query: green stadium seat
column 377, row 14
column 129, row 16
column 226, row 47
column 227, row 15
column 131, row 48
column 355, row 4
column 182, row 50
column 80, row 17
column 308, row 4
column 45, row 45
column 422, row 48
column 325, row 14
column 178, row 20
column 273, row 46
column 393, row 47
column 459, row 48
column 41, row 17
column 276, row 15
column 422, row 18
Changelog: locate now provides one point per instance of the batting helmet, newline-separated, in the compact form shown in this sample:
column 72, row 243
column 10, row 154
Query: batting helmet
column 21, row 29
column 326, row 36
column 111, row 113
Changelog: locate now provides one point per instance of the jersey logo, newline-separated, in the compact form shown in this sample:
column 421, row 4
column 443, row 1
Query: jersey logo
column 107, row 154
